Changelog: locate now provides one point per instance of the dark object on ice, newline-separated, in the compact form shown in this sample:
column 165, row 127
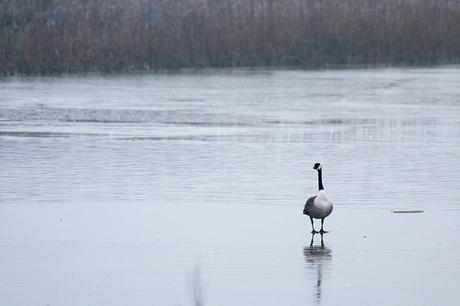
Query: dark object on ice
column 407, row 211
column 319, row 206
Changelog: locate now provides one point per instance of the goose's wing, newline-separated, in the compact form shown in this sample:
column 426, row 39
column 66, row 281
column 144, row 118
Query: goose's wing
column 308, row 205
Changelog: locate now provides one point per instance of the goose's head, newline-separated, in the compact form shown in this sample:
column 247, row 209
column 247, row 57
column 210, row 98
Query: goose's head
column 317, row 166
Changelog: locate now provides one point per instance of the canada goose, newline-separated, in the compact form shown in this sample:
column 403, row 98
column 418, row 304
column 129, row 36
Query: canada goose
column 318, row 207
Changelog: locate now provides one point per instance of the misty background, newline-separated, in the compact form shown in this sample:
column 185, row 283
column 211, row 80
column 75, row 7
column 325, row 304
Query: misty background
column 51, row 36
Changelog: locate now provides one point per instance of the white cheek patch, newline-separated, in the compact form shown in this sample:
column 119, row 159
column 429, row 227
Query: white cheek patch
column 319, row 168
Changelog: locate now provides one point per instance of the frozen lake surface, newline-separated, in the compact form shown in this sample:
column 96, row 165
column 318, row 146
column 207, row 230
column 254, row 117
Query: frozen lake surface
column 123, row 190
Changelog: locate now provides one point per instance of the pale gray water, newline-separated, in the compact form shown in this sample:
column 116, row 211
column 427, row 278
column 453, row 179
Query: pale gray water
column 113, row 188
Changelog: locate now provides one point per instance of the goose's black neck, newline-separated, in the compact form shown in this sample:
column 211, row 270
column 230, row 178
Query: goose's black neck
column 320, row 179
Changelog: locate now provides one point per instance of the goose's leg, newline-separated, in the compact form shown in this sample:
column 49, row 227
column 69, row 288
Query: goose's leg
column 322, row 231
column 312, row 226
column 311, row 241
column 322, row 240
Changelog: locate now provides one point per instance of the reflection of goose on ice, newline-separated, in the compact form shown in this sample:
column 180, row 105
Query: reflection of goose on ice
column 317, row 257
column 319, row 206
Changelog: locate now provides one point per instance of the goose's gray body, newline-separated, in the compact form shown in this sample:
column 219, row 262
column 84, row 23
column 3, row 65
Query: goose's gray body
column 318, row 207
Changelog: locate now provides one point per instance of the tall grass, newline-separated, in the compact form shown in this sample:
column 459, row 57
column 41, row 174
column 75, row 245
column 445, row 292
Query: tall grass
column 55, row 36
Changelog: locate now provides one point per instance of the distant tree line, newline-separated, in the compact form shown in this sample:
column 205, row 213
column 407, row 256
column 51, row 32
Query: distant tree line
column 57, row 36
